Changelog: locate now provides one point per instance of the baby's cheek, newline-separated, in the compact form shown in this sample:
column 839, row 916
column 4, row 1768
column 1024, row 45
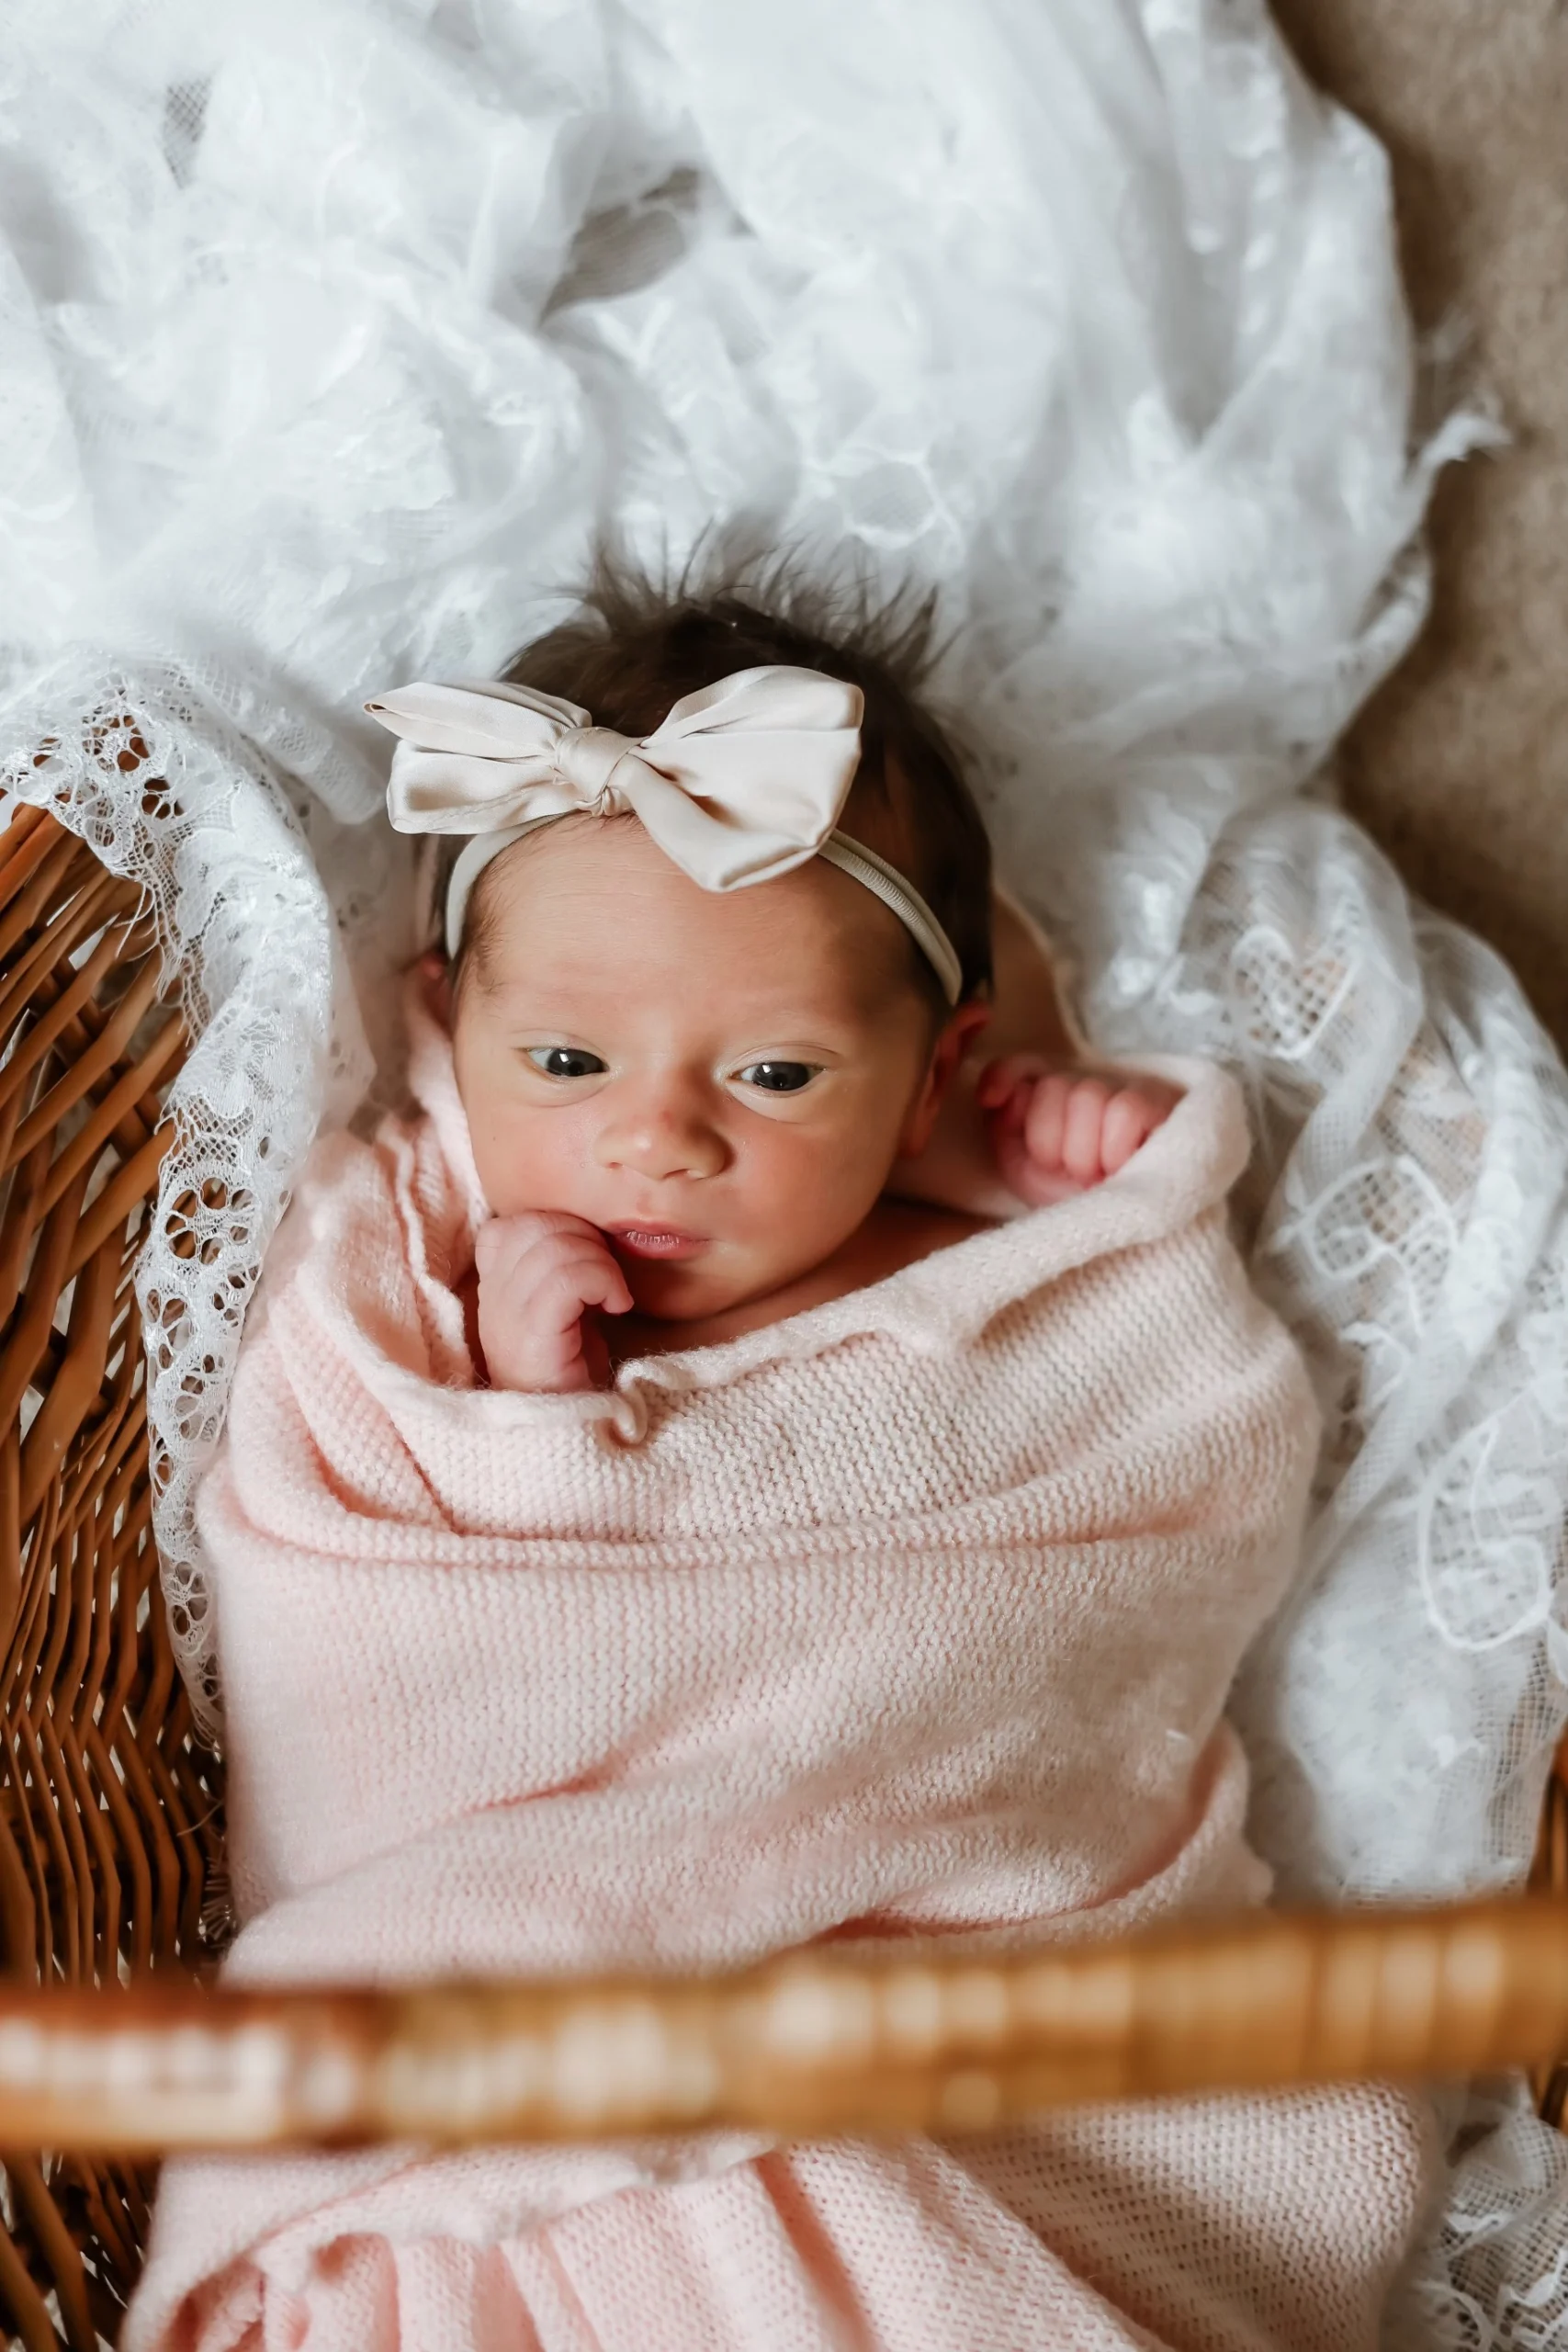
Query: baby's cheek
column 811, row 1192
column 520, row 1162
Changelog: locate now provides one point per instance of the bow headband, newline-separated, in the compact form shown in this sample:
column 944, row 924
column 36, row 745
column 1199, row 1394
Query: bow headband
column 743, row 781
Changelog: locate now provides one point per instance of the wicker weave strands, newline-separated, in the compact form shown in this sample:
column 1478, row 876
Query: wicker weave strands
column 109, row 1815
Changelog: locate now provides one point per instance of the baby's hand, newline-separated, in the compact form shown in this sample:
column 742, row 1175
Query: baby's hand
column 538, row 1275
column 1058, row 1132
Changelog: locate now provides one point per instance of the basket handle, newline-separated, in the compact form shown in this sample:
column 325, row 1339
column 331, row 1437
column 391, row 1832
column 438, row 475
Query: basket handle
column 804, row 2045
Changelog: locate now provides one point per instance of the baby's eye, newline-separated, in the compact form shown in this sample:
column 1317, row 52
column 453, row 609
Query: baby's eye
column 565, row 1061
column 779, row 1077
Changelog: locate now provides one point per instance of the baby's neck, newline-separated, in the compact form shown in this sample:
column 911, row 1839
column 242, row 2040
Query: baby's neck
column 893, row 1235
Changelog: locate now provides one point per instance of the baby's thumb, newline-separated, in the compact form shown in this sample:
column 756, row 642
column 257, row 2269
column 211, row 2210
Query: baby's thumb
column 998, row 1079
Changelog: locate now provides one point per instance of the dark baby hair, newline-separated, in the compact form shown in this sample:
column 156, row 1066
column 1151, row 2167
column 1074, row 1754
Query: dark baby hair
column 633, row 650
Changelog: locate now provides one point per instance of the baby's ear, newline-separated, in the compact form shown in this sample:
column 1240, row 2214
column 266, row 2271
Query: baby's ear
column 953, row 1041
column 433, row 974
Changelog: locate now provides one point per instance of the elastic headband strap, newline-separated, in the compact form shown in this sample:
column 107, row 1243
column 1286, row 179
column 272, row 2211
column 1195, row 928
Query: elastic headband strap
column 901, row 898
column 862, row 865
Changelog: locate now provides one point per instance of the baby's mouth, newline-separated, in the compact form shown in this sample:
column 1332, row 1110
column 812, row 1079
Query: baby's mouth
column 664, row 1241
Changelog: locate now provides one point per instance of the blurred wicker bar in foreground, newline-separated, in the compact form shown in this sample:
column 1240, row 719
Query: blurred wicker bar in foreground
column 805, row 2046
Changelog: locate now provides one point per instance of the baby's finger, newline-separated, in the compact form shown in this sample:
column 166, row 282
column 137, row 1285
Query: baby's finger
column 1005, row 1129
column 505, row 1241
column 585, row 1270
column 1012, row 1157
column 555, row 1304
column 1082, row 1129
column 599, row 1280
column 1045, row 1126
column 1018, row 1169
column 1000, row 1079
column 604, row 1286
column 1007, row 1122
column 1129, row 1120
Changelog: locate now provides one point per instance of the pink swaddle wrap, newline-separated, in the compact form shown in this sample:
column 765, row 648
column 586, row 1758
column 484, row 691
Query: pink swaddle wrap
column 915, row 1613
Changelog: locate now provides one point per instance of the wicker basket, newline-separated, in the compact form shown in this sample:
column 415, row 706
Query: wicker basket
column 110, row 1821
column 110, row 1812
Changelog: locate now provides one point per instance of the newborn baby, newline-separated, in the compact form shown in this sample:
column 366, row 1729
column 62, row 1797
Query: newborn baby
column 734, row 1467
column 691, row 1107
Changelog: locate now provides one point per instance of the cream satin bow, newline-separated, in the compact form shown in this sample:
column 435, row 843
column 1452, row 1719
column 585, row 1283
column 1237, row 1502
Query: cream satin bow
column 742, row 781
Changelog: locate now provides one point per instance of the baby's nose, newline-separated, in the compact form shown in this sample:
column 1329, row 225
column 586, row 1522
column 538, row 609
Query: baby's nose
column 660, row 1138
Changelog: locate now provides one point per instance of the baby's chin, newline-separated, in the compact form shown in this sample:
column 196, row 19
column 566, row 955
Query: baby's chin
column 696, row 1290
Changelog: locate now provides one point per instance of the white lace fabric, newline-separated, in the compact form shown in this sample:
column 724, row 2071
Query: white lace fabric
column 338, row 330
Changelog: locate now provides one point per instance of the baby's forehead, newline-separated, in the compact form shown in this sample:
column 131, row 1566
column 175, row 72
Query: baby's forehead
column 593, row 905
column 622, row 992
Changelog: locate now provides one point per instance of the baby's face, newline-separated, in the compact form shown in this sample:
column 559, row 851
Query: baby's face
column 720, row 1083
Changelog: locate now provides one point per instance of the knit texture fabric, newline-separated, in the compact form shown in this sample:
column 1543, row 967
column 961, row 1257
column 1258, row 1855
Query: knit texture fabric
column 914, row 1615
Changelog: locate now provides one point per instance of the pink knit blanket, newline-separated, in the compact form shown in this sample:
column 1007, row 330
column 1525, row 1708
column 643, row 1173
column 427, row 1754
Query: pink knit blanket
column 913, row 1614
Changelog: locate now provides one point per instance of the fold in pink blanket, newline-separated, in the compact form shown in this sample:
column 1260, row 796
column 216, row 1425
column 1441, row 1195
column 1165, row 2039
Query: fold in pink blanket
column 913, row 1615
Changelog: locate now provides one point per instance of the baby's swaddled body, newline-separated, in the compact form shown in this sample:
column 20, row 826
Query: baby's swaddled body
column 913, row 1613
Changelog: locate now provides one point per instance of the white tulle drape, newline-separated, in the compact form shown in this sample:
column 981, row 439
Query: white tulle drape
column 335, row 334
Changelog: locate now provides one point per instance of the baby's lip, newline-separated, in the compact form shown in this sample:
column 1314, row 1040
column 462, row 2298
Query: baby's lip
column 652, row 1240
